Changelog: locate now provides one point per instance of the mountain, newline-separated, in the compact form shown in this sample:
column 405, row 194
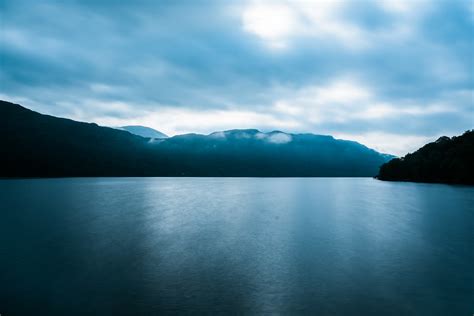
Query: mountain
column 253, row 153
column 447, row 160
column 37, row 145
column 143, row 131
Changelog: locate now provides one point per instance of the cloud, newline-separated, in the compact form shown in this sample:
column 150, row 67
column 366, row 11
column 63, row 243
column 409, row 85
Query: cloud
column 272, row 22
column 172, row 120
column 277, row 22
column 279, row 138
column 389, row 143
column 358, row 68
column 350, row 24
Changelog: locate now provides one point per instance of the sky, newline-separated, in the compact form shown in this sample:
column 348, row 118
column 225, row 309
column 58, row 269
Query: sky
column 392, row 75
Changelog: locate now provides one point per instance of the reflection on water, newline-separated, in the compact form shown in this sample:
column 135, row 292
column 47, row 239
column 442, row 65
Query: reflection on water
column 286, row 245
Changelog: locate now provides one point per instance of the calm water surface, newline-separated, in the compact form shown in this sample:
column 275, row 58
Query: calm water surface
column 324, row 246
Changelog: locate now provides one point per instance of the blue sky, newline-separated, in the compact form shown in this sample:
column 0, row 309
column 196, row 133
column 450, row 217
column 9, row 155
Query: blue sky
column 392, row 75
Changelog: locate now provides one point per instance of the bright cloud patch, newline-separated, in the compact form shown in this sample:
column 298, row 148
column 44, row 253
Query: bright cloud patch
column 279, row 138
column 389, row 143
column 278, row 22
column 273, row 22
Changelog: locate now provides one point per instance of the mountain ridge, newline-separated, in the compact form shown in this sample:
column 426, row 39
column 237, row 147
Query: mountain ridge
column 39, row 145
column 143, row 131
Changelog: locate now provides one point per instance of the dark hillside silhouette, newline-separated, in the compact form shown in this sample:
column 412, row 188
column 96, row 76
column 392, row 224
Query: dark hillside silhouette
column 447, row 160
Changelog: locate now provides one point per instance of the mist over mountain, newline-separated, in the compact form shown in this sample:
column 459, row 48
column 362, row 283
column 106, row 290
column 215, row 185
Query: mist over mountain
column 143, row 131
column 37, row 145
column 447, row 160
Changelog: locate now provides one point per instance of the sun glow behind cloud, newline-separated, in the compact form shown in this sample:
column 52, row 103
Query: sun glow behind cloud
column 272, row 22
column 278, row 22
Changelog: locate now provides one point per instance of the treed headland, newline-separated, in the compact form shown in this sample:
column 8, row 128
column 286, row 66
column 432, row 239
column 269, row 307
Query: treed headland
column 447, row 160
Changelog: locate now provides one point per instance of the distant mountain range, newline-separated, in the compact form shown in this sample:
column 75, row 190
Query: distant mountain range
column 36, row 145
column 447, row 160
column 143, row 131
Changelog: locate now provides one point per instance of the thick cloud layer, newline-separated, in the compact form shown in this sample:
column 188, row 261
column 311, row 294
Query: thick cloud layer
column 390, row 74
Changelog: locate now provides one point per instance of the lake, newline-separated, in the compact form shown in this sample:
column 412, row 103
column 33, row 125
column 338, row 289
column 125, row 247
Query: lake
column 327, row 246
